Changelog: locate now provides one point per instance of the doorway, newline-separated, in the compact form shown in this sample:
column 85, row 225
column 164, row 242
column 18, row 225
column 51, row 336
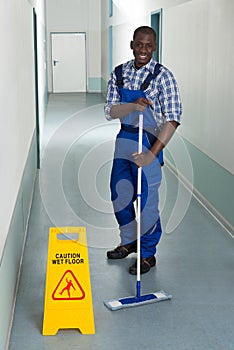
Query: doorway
column 156, row 24
column 68, row 62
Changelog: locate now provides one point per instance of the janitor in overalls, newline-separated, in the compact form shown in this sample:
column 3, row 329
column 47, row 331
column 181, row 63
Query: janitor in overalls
column 140, row 85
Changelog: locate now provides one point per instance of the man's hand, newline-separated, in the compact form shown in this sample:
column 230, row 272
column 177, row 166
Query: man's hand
column 121, row 110
column 141, row 104
column 162, row 140
column 143, row 159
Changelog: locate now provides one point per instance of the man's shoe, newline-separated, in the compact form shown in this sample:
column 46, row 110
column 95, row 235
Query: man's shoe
column 146, row 264
column 122, row 251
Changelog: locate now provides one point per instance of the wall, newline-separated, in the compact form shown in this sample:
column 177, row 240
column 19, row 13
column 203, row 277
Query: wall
column 77, row 16
column 206, row 56
column 17, row 146
column 196, row 47
column 206, row 79
column 124, row 20
column 39, row 6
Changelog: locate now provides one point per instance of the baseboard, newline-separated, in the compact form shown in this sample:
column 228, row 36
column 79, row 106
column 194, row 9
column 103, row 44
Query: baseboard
column 13, row 251
column 94, row 85
column 199, row 197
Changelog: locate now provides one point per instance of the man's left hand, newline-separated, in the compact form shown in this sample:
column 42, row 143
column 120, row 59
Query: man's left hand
column 143, row 159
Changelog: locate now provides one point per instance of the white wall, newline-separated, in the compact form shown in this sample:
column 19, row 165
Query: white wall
column 17, row 103
column 18, row 141
column 42, row 60
column 126, row 17
column 196, row 46
column 76, row 16
column 201, row 44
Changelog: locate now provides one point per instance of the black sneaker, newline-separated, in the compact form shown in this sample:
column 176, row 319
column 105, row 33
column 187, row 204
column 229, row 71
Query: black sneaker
column 122, row 251
column 146, row 264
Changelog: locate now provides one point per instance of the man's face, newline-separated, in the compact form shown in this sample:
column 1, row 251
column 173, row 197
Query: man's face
column 143, row 47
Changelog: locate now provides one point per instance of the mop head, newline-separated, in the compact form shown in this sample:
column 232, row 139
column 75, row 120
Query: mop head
column 137, row 301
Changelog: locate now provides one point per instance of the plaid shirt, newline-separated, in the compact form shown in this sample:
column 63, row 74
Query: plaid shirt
column 163, row 91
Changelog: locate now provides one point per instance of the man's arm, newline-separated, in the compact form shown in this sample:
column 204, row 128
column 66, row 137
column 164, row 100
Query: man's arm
column 171, row 108
column 164, row 137
column 114, row 109
column 121, row 110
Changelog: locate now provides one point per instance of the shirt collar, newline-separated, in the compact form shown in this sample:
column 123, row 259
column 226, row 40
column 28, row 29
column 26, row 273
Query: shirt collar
column 149, row 66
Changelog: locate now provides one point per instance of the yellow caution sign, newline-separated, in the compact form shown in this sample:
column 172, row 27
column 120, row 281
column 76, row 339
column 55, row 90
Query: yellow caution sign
column 68, row 297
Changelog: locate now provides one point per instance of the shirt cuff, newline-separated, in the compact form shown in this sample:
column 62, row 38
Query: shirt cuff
column 173, row 117
column 107, row 112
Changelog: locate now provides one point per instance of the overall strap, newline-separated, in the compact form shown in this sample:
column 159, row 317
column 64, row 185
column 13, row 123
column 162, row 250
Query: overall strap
column 151, row 76
column 145, row 84
column 118, row 73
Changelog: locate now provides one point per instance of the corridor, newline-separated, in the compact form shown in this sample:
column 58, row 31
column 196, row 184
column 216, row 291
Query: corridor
column 194, row 261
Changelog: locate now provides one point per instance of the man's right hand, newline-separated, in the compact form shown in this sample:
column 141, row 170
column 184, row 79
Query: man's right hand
column 141, row 103
column 121, row 110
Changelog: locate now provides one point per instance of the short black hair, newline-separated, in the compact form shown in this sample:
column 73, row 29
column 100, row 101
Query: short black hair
column 145, row 30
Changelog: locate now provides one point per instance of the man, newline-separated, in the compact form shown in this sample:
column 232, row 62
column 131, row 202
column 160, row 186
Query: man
column 140, row 85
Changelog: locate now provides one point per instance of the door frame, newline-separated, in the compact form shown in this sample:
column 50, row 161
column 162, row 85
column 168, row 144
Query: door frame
column 156, row 16
column 35, row 42
column 51, row 55
column 110, row 48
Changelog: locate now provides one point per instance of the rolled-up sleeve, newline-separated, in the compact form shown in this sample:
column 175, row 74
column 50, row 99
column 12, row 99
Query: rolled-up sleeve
column 112, row 96
column 169, row 98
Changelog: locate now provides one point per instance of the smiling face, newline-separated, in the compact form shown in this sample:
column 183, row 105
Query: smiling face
column 143, row 46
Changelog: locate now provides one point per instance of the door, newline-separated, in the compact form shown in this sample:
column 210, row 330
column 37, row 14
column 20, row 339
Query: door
column 68, row 62
column 156, row 24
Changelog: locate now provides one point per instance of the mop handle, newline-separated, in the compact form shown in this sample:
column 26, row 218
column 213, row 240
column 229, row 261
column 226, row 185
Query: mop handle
column 139, row 176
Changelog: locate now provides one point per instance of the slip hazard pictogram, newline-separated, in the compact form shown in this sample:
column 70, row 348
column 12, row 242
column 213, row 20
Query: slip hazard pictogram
column 68, row 288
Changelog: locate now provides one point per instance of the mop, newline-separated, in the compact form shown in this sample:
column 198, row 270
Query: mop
column 138, row 299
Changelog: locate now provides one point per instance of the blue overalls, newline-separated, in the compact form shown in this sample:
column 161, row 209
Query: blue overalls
column 124, row 174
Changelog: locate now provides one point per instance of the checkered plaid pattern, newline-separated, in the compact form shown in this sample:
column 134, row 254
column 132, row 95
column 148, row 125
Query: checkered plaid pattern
column 162, row 90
